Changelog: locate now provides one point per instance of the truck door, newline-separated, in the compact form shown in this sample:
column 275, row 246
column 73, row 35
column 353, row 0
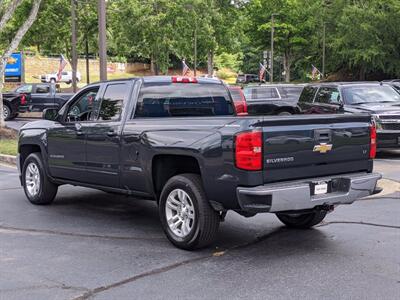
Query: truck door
column 67, row 139
column 103, row 137
column 41, row 97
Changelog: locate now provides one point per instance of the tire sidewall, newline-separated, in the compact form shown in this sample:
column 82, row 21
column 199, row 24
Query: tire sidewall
column 191, row 190
column 33, row 158
column 9, row 113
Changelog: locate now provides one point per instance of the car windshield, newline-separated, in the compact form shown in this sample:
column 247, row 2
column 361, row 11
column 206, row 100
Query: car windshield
column 369, row 94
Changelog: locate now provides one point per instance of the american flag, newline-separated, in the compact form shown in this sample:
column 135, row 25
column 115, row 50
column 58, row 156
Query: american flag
column 261, row 73
column 185, row 68
column 63, row 63
column 315, row 72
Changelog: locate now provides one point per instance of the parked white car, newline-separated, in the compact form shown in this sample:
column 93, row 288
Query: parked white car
column 66, row 76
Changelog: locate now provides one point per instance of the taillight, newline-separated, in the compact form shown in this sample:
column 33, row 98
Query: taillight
column 372, row 149
column 179, row 79
column 23, row 99
column 248, row 150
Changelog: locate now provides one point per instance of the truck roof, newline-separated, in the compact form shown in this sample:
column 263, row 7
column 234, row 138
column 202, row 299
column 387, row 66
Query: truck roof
column 162, row 79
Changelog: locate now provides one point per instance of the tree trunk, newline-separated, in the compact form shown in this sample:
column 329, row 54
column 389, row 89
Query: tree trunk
column 286, row 66
column 210, row 63
column 2, row 69
column 152, row 65
column 12, row 47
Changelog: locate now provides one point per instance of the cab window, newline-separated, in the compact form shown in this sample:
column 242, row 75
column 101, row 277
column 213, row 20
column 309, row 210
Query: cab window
column 328, row 95
column 81, row 110
column 307, row 95
column 112, row 102
column 24, row 89
column 42, row 89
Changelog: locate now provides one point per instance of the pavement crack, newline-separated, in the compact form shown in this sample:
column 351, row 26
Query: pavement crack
column 157, row 271
column 55, row 232
column 97, row 290
column 358, row 223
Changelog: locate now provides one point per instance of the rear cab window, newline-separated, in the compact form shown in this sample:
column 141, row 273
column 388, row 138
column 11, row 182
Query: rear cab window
column 163, row 99
column 308, row 94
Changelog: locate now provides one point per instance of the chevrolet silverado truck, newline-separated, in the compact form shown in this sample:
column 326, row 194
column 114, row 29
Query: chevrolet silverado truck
column 177, row 140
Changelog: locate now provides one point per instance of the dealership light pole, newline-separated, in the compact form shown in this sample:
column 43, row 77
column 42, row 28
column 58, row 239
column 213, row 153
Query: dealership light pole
column 323, row 49
column 101, row 11
column 271, row 77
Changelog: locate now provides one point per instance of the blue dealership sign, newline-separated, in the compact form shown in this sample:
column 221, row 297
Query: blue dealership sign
column 14, row 65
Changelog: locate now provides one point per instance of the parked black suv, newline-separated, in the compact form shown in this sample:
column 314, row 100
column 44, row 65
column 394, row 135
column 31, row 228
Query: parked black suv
column 378, row 99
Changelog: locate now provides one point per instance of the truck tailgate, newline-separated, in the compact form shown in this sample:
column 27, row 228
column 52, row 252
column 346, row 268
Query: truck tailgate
column 313, row 145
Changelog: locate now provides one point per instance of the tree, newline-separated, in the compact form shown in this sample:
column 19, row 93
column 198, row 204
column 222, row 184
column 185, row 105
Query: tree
column 8, row 13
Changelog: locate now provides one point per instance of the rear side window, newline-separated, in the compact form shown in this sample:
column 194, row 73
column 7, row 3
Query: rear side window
column 183, row 99
column 42, row 89
column 112, row 102
column 308, row 94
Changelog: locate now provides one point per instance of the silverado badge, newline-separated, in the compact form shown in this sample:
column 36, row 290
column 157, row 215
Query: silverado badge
column 322, row 148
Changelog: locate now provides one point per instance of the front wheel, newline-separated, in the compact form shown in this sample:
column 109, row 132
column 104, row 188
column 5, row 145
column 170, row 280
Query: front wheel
column 186, row 216
column 37, row 186
column 302, row 220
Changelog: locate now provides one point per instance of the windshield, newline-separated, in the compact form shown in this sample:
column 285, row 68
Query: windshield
column 369, row 94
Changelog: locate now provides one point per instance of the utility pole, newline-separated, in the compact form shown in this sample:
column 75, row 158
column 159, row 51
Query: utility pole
column 195, row 50
column 87, row 59
column 73, row 41
column 323, row 50
column 271, row 77
column 101, row 11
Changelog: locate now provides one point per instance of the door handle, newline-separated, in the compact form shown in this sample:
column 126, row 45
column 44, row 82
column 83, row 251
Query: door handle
column 111, row 132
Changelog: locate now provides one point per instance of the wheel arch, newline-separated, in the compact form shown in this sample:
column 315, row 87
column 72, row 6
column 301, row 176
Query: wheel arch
column 165, row 166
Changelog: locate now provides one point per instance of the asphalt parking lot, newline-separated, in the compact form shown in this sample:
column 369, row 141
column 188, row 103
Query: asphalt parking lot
column 93, row 245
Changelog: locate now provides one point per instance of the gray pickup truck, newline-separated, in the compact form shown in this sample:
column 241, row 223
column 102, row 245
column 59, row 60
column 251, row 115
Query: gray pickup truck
column 177, row 141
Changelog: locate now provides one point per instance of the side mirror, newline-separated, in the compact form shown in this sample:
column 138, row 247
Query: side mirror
column 50, row 114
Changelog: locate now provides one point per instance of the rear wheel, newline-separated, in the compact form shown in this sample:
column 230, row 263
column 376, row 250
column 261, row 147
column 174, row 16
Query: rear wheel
column 37, row 186
column 302, row 220
column 7, row 112
column 187, row 218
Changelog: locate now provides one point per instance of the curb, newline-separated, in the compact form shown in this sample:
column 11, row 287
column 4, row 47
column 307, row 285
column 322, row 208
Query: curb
column 8, row 159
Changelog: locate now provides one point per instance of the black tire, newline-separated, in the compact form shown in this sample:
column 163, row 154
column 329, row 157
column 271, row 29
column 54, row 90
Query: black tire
column 7, row 112
column 206, row 219
column 302, row 221
column 53, row 80
column 47, row 190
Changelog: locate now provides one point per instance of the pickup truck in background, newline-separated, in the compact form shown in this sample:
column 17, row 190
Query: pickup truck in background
column 177, row 141
column 34, row 97
column 66, row 76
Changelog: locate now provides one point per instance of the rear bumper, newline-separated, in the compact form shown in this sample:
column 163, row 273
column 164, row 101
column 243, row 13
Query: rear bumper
column 388, row 139
column 297, row 195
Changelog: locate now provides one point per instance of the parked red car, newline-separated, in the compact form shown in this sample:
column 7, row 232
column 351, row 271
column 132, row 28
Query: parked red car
column 239, row 100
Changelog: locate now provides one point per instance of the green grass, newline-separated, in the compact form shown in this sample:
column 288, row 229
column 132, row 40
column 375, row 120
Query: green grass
column 8, row 146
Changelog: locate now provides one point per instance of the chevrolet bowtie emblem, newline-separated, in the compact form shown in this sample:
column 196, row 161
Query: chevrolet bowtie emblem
column 322, row 148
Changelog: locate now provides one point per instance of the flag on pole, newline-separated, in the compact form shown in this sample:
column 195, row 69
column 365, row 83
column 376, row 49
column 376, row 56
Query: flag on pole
column 185, row 68
column 63, row 63
column 315, row 72
column 261, row 73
